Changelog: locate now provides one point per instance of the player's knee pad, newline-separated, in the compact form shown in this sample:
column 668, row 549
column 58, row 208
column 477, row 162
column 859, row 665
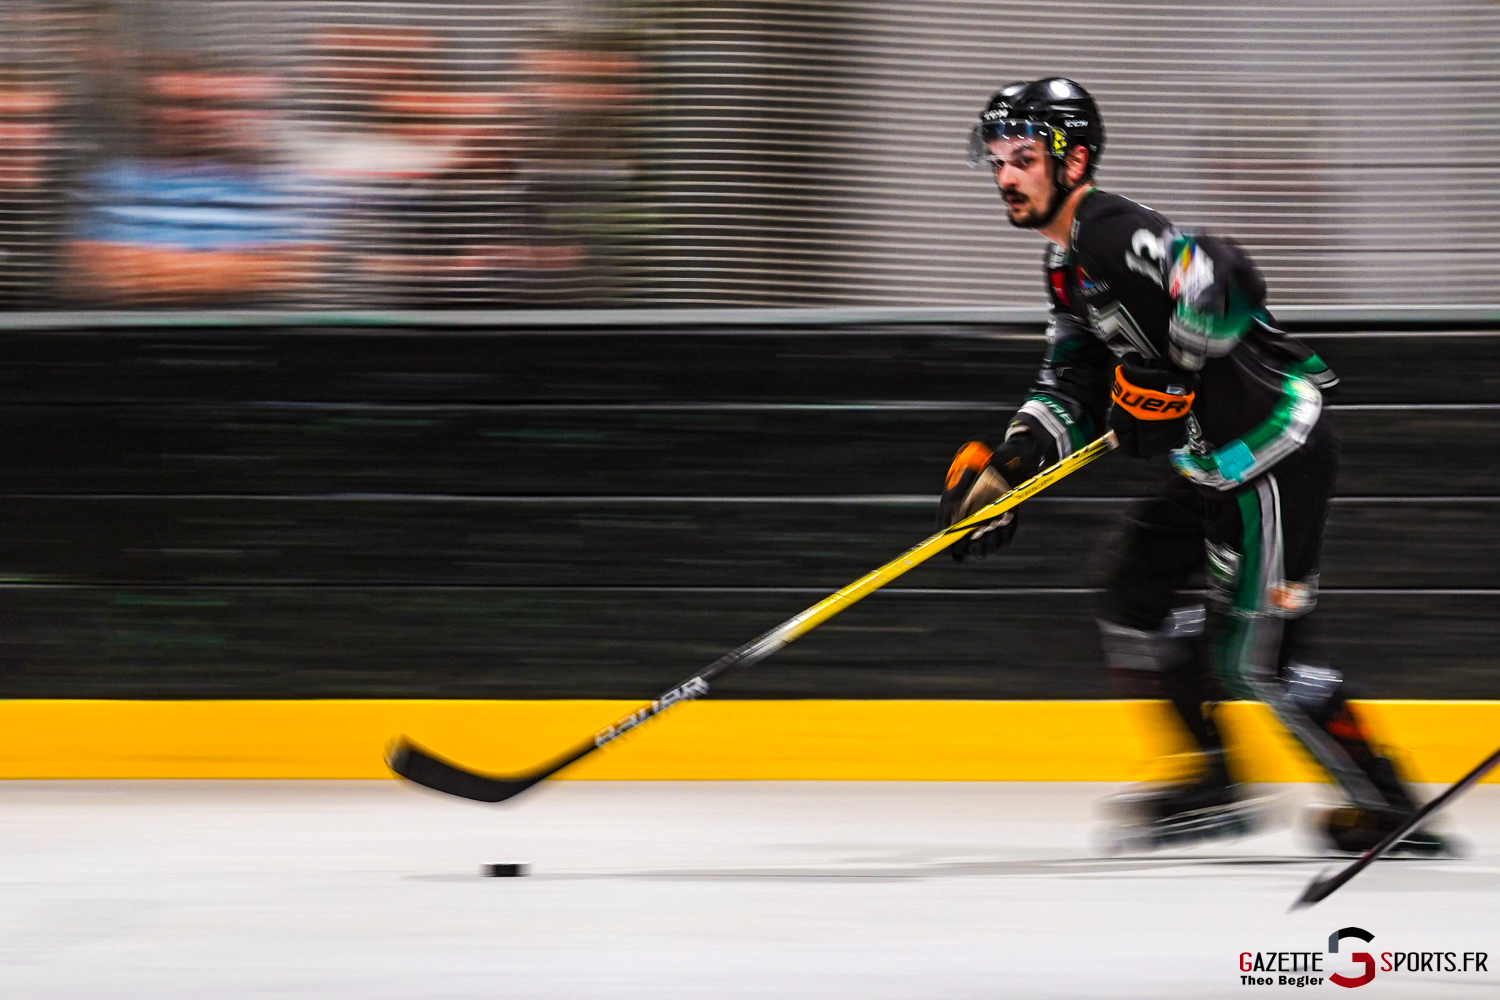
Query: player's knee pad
column 1139, row 660
column 1317, row 691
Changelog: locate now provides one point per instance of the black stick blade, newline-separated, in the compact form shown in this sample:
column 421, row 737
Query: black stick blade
column 415, row 763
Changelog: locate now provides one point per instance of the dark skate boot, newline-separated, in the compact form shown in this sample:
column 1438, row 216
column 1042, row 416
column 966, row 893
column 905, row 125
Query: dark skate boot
column 1352, row 830
column 1208, row 807
column 1357, row 826
column 1161, row 803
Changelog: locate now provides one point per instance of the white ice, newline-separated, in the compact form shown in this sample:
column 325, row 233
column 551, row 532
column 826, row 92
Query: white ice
column 682, row 891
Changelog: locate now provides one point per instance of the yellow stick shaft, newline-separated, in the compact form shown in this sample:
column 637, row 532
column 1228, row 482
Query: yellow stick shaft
column 924, row 550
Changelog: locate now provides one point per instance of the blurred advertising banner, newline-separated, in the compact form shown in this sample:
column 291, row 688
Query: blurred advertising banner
column 502, row 153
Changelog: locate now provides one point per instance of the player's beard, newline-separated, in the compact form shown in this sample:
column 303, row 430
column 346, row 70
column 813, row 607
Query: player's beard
column 1036, row 220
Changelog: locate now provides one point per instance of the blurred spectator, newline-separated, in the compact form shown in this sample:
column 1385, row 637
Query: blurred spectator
column 354, row 141
column 583, row 88
column 352, row 72
column 469, row 233
column 200, row 215
column 522, row 210
column 582, row 91
column 30, row 203
column 412, row 171
column 455, row 192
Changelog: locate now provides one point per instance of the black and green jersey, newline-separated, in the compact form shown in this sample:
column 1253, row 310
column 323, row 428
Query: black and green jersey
column 1122, row 288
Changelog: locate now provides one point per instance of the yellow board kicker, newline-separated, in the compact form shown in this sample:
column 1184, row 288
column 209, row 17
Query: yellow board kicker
column 756, row 740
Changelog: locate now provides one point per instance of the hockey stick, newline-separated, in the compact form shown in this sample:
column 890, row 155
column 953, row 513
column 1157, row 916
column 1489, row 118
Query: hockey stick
column 1321, row 888
column 426, row 768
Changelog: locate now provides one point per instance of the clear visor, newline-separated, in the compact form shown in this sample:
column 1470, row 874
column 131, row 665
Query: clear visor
column 994, row 144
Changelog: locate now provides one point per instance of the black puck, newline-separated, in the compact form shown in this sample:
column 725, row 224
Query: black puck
column 504, row 871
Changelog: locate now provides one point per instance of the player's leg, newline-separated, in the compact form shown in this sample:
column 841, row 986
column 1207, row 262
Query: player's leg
column 1263, row 557
column 1324, row 695
column 1263, row 552
column 1154, row 639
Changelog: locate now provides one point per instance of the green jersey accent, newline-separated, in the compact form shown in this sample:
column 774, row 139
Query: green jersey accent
column 1077, row 436
column 1282, row 432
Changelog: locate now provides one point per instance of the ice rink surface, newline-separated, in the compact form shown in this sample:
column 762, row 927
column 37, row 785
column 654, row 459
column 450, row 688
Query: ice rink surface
column 684, row 891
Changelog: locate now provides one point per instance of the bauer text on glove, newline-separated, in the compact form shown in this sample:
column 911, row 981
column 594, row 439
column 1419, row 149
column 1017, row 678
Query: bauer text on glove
column 1151, row 407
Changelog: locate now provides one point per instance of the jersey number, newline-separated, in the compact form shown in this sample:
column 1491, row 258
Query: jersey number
column 1148, row 255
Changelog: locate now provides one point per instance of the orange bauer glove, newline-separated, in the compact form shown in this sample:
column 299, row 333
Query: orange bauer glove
column 1150, row 415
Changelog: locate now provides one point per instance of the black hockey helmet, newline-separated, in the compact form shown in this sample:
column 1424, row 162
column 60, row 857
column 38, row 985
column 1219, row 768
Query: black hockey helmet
column 1055, row 110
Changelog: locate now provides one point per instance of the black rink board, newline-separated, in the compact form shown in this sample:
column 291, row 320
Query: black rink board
column 297, row 642
column 669, row 542
column 565, row 513
column 913, row 362
column 610, row 451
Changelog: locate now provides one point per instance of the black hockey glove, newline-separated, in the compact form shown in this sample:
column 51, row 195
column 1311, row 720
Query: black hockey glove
column 979, row 476
column 1150, row 415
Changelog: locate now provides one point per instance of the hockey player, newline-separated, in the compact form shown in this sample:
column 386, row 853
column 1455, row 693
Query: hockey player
column 1171, row 328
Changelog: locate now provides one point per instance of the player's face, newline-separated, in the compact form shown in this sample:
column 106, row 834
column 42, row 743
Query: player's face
column 1023, row 173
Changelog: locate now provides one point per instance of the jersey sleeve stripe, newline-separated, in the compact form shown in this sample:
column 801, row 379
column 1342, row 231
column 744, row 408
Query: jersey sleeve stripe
column 1253, row 453
column 1054, row 420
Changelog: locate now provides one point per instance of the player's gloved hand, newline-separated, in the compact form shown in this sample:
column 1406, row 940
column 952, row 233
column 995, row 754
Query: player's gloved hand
column 1150, row 415
column 1227, row 285
column 1218, row 291
column 979, row 476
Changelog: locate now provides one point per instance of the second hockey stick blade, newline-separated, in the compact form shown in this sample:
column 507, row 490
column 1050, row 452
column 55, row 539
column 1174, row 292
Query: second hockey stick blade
column 1322, row 887
column 427, row 768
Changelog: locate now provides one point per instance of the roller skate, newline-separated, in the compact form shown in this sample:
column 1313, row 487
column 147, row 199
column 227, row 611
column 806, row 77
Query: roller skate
column 1209, row 807
column 1353, row 830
